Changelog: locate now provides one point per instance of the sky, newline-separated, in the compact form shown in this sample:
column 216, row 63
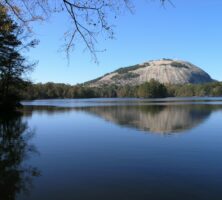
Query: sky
column 190, row 31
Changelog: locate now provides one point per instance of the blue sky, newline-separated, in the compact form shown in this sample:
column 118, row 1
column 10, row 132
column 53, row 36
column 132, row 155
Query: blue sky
column 191, row 31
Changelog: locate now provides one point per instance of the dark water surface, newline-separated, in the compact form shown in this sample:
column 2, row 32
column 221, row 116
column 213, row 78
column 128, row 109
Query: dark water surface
column 113, row 149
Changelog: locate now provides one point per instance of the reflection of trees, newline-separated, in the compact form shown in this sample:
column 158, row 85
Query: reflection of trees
column 49, row 110
column 15, row 177
column 155, row 118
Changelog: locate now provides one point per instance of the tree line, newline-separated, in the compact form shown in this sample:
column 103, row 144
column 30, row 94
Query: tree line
column 152, row 89
column 13, row 64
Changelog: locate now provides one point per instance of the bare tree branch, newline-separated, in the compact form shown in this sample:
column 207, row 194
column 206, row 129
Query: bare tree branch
column 89, row 18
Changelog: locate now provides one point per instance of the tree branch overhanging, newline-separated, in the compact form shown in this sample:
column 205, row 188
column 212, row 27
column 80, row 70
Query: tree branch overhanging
column 89, row 18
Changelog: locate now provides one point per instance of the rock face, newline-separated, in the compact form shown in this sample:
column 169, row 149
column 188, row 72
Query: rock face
column 162, row 119
column 166, row 71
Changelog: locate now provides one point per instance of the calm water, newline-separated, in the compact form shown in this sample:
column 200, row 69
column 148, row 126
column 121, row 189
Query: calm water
column 113, row 149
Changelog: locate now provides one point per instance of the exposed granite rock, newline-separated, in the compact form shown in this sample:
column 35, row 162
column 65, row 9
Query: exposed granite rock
column 156, row 119
column 166, row 71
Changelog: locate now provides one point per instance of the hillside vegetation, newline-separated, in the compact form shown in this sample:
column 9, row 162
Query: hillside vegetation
column 152, row 89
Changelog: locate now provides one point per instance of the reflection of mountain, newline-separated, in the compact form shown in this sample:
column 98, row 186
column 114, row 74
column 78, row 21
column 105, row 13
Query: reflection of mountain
column 15, row 177
column 158, row 119
column 155, row 118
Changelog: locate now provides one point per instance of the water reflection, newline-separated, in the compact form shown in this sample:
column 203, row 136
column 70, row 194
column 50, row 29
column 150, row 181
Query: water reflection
column 155, row 118
column 84, row 157
column 15, row 176
column 49, row 110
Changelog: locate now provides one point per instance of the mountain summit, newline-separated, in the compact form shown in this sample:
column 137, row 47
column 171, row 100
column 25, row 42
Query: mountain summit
column 165, row 71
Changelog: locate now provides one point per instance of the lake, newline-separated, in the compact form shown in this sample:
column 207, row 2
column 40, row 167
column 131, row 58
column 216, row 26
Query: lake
column 113, row 149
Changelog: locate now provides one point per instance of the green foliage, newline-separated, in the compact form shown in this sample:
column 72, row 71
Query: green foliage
column 178, row 64
column 152, row 89
column 53, row 91
column 130, row 68
column 167, row 59
column 189, row 90
column 12, row 64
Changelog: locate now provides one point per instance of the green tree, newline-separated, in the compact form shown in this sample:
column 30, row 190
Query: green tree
column 152, row 89
column 13, row 65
